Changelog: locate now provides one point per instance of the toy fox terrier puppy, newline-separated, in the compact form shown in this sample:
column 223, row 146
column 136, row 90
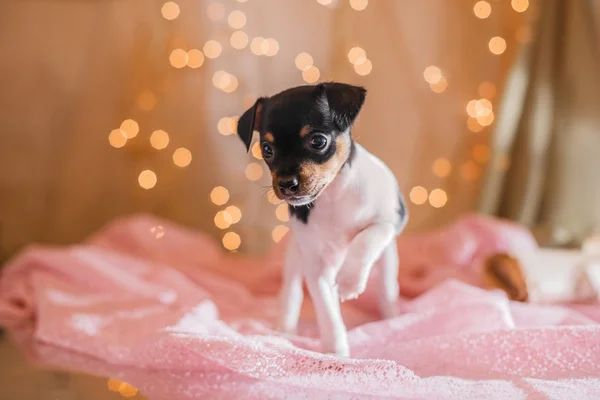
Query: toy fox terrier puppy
column 345, row 204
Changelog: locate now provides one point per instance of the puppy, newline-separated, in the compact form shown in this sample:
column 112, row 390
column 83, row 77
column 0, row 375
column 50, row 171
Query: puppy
column 345, row 203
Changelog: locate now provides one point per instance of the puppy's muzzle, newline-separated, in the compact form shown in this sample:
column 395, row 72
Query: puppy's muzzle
column 289, row 187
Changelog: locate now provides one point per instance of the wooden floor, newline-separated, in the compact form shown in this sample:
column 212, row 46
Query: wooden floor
column 22, row 381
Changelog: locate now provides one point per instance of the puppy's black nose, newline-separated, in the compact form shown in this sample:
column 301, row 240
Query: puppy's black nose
column 289, row 187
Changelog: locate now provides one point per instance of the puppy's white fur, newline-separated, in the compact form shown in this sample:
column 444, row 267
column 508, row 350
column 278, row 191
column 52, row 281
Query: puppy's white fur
column 351, row 228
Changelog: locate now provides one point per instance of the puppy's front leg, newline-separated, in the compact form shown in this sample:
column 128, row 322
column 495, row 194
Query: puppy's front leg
column 291, row 295
column 366, row 248
column 334, row 338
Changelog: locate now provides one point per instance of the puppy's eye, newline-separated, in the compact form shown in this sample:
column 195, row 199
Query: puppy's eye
column 318, row 142
column 267, row 150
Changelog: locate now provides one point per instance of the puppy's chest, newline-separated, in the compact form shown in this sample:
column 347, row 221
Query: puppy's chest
column 334, row 223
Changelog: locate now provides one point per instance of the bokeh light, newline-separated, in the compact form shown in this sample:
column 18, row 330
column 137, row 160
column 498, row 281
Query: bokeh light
column 432, row 74
column 236, row 19
column 486, row 120
column 239, row 40
column 519, row 5
column 304, row 61
column 182, row 157
column 178, row 58
column 418, row 195
column 195, row 58
column 232, row 241
column 223, row 220
column 222, row 126
column 117, row 138
column 236, row 214
column 359, row 5
column 473, row 125
column 363, row 69
column 438, row 198
column 254, row 171
column 232, row 124
column 130, row 128
column 124, row 389
column 282, row 212
column 497, row 45
column 272, row 47
column 440, row 86
column 170, row 10
column 159, row 139
column 441, row 167
column 212, row 49
column 357, row 55
column 480, row 113
column 482, row 9
column 147, row 179
column 279, row 233
column 225, row 81
column 219, row 195
column 232, row 85
column 256, row 151
column 258, row 46
column 311, row 75
column 483, row 107
column 471, row 110
column 114, row 385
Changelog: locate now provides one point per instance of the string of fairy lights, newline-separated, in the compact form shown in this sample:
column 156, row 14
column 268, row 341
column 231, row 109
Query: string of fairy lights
column 480, row 110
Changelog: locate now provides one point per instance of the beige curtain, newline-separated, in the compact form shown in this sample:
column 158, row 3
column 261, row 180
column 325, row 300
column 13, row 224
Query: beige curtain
column 73, row 71
column 546, row 145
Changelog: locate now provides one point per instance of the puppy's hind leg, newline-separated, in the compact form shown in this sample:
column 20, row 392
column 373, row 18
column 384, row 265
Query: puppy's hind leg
column 389, row 289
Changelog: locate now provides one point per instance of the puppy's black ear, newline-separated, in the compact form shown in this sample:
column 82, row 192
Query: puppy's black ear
column 344, row 101
column 250, row 121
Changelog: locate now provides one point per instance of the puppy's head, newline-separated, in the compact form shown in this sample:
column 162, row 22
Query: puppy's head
column 304, row 136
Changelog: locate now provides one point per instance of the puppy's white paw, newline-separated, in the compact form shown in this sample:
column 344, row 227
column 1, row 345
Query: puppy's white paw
column 350, row 288
column 339, row 351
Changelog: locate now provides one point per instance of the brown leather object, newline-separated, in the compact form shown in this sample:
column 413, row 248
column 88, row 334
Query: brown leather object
column 502, row 271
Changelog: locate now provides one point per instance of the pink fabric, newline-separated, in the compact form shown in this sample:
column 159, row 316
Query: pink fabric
column 161, row 307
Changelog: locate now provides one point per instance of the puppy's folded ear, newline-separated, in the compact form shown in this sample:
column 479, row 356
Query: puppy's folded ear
column 250, row 121
column 344, row 101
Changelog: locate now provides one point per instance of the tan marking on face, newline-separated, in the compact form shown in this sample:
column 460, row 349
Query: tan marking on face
column 269, row 137
column 304, row 131
column 275, row 184
column 315, row 177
